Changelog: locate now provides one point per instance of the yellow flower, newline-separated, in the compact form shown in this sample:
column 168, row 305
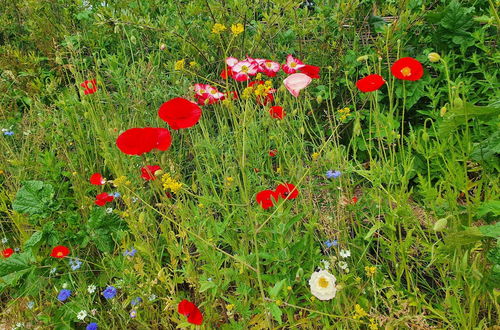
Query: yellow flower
column 1, row 172
column 230, row 307
column 237, row 28
column 315, row 155
column 370, row 270
column 359, row 312
column 179, row 65
column 247, row 92
column 229, row 181
column 373, row 325
column 434, row 57
column 170, row 183
column 120, row 181
column 442, row 112
column 218, row 28
column 258, row 76
column 193, row 64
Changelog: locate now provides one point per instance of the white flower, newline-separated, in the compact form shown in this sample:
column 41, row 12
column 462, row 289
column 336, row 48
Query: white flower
column 152, row 297
column 345, row 253
column 81, row 315
column 65, row 285
column 91, row 288
column 109, row 210
column 5, row 240
column 324, row 265
column 342, row 264
column 322, row 285
column 93, row 312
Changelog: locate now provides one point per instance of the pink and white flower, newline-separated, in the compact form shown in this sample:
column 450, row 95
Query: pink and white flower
column 243, row 70
column 297, row 82
column 270, row 68
column 292, row 64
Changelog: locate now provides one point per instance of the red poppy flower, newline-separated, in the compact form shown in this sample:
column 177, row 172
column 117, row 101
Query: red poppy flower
column 136, row 141
column 190, row 310
column 148, row 172
column 90, row 86
column 97, row 179
column 103, row 198
column 226, row 73
column 287, row 191
column 59, row 252
column 273, row 152
column 277, row 112
column 370, row 83
column 310, row 70
column 180, row 113
column 266, row 198
column 7, row 252
column 407, row 68
column 354, row 200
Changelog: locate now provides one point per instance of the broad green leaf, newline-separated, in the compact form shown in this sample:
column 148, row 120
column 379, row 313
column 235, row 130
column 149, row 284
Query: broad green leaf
column 33, row 240
column 276, row 312
column 491, row 230
column 34, row 197
column 274, row 291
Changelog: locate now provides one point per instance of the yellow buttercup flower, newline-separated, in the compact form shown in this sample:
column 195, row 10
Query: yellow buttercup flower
column 179, row 65
column 193, row 64
column 359, row 312
column 315, row 155
column 218, row 28
column 237, row 28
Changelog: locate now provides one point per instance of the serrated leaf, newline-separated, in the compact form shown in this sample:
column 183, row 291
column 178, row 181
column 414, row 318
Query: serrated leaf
column 34, row 197
column 33, row 240
column 276, row 312
column 491, row 230
column 274, row 291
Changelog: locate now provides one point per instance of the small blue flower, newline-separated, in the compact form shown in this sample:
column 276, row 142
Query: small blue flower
column 133, row 313
column 109, row 292
column 130, row 253
column 330, row 243
column 333, row 174
column 64, row 294
column 92, row 326
column 9, row 133
column 75, row 264
column 31, row 304
column 117, row 194
column 209, row 279
column 136, row 301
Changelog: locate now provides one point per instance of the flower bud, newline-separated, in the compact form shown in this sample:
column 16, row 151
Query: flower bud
column 434, row 57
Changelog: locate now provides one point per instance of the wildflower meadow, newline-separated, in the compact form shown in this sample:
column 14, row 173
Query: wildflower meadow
column 237, row 164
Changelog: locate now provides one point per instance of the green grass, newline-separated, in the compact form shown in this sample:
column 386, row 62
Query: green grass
column 426, row 178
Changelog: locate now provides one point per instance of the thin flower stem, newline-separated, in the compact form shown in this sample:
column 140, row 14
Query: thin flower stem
column 193, row 233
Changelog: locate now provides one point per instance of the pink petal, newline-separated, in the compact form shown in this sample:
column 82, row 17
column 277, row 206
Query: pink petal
column 297, row 82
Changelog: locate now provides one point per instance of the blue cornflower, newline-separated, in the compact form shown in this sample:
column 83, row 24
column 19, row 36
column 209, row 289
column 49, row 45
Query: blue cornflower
column 64, row 294
column 333, row 174
column 116, row 194
column 135, row 301
column 9, row 133
column 109, row 292
column 92, row 326
column 130, row 253
column 330, row 243
column 75, row 263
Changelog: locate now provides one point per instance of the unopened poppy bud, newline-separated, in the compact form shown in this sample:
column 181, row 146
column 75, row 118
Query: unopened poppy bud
column 362, row 58
column 434, row 57
column 319, row 99
column 302, row 130
column 441, row 224
column 299, row 274
column 158, row 172
column 442, row 112
column 425, row 136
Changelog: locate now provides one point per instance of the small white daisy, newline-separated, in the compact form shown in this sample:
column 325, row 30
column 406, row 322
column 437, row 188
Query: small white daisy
column 81, row 315
column 324, row 265
column 91, row 288
column 5, row 240
column 152, row 297
column 345, row 253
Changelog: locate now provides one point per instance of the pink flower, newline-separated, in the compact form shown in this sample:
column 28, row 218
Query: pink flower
column 297, row 82
column 231, row 61
column 243, row 70
column 292, row 64
column 206, row 94
column 270, row 68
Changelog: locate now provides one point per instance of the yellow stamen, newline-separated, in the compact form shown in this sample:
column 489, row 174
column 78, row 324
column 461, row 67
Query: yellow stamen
column 406, row 71
column 323, row 282
column 244, row 69
column 293, row 64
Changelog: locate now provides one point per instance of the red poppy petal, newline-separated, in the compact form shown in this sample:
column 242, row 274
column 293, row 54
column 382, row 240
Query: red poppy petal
column 287, row 191
column 7, row 252
column 185, row 307
column 195, row 317
column 266, row 198
column 136, row 141
column 59, row 252
column 180, row 113
column 96, row 179
column 407, row 68
column 163, row 139
column 370, row 83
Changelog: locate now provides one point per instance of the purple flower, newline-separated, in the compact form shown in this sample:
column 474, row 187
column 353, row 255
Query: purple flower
column 136, row 301
column 64, row 294
column 109, row 292
column 333, row 174
column 92, row 326
column 133, row 313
